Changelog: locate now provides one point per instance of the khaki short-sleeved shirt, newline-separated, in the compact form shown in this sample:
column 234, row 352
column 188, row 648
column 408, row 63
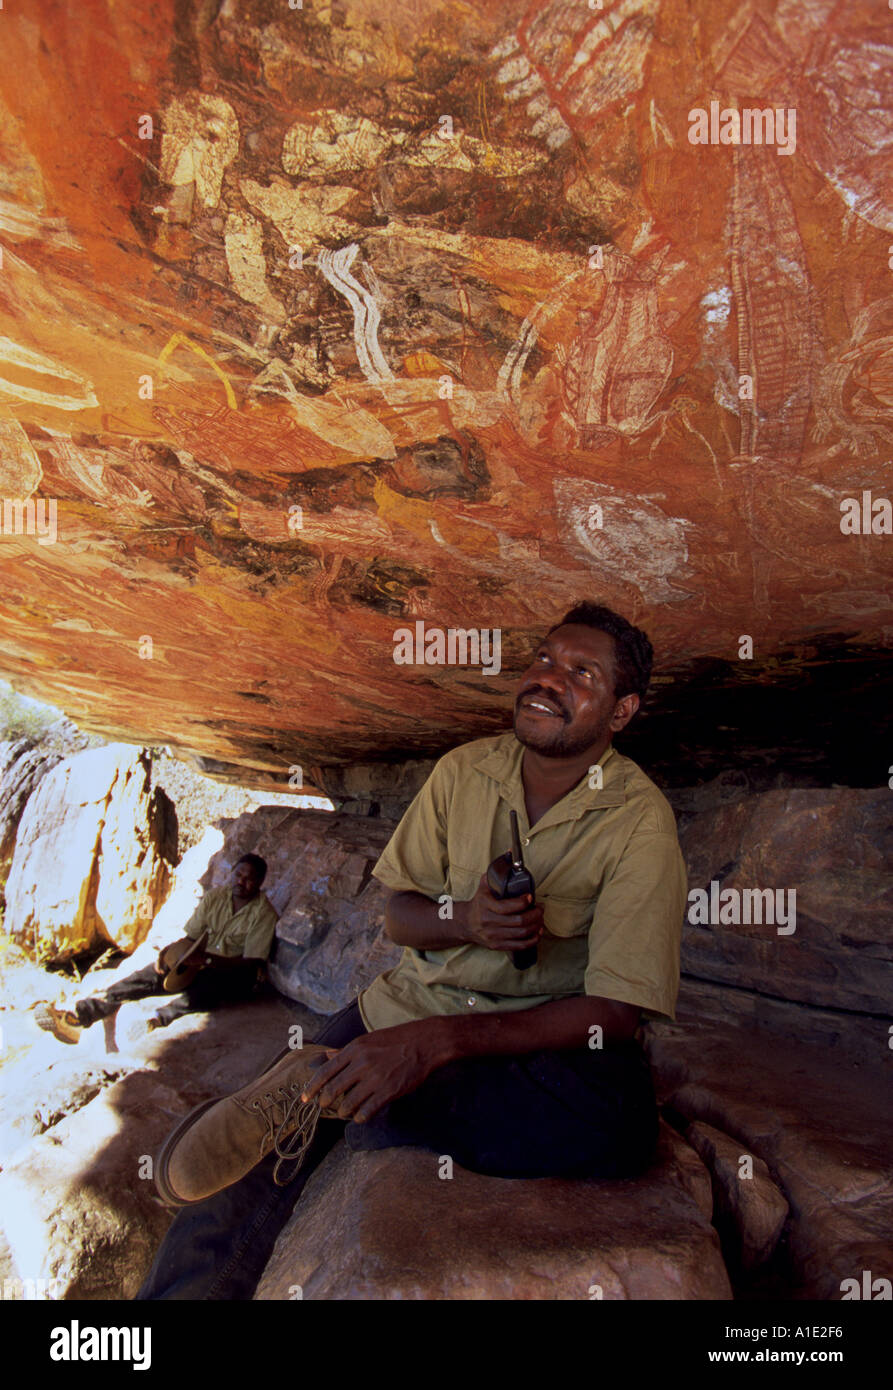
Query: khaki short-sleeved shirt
column 608, row 871
column 248, row 932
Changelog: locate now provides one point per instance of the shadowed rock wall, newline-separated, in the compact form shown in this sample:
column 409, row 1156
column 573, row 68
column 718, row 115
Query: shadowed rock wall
column 827, row 947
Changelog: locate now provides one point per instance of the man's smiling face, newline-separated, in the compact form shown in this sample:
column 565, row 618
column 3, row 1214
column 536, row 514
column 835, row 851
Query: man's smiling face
column 566, row 702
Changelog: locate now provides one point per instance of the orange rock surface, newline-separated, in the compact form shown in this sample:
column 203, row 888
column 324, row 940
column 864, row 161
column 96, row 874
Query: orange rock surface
column 318, row 322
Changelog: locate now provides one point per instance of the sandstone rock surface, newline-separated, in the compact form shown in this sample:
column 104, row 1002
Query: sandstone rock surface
column 93, row 855
column 822, row 1125
column 850, row 1037
column 744, row 1193
column 832, row 849
column 325, row 327
column 384, row 1226
column 375, row 789
column 76, row 1209
column 46, row 1087
column 22, row 764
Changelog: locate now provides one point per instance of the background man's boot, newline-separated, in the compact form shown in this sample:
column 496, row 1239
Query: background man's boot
column 64, row 1024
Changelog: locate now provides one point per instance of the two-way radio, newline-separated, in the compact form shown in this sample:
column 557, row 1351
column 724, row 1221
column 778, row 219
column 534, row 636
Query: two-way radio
column 507, row 877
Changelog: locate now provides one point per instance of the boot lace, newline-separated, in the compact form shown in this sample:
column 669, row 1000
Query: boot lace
column 291, row 1133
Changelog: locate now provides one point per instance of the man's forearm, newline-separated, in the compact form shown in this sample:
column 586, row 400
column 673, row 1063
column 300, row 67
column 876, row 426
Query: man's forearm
column 562, row 1023
column 413, row 920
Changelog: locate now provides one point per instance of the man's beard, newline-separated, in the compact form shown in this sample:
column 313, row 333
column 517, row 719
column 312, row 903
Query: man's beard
column 561, row 742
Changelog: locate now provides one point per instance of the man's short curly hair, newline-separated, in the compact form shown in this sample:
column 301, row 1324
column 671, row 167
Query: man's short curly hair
column 633, row 653
column 256, row 863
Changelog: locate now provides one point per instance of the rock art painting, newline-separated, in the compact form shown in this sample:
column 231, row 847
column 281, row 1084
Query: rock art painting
column 567, row 63
column 319, row 321
column 619, row 364
column 200, row 141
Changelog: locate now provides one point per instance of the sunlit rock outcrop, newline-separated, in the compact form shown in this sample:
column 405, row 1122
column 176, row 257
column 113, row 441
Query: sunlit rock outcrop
column 93, row 855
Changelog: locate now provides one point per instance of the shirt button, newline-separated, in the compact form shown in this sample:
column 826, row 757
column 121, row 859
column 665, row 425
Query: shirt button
column 471, row 1000
column 527, row 841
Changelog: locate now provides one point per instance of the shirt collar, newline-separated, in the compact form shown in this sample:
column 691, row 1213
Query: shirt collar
column 230, row 905
column 502, row 762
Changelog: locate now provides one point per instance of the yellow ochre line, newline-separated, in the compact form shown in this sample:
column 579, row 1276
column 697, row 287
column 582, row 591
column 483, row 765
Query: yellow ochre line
column 482, row 107
column 181, row 338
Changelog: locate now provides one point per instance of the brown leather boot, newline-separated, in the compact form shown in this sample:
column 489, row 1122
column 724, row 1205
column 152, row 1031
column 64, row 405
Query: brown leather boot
column 64, row 1024
column 222, row 1140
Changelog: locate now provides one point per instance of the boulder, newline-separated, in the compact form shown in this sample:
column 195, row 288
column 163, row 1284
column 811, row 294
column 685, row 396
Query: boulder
column 330, row 941
column 79, row 1207
column 22, row 764
column 833, row 849
column 42, row 1079
column 356, row 1233
column 166, row 926
column 137, row 850
column 93, row 856
column 820, row 1123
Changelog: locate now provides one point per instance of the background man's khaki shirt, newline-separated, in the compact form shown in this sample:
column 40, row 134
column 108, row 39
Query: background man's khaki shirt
column 248, row 932
column 608, row 872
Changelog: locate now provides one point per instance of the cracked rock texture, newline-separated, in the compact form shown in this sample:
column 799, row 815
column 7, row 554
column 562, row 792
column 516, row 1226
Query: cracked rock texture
column 819, row 1122
column 744, row 1194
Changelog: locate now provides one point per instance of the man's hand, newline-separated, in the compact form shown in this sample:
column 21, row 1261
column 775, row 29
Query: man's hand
column 500, row 924
column 176, row 951
column 376, row 1068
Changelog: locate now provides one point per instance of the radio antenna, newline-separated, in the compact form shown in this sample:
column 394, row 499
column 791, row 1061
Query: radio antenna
column 517, row 858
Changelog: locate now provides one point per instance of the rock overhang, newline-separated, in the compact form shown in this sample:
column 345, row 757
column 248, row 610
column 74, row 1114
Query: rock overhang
column 321, row 327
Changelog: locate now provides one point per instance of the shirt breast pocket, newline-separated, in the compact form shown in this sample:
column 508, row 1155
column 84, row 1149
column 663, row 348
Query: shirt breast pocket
column 567, row 916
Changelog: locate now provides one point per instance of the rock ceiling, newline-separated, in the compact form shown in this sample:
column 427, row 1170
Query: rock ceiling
column 319, row 322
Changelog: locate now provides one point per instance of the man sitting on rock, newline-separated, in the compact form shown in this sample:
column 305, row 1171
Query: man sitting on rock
column 512, row 1072
column 238, row 925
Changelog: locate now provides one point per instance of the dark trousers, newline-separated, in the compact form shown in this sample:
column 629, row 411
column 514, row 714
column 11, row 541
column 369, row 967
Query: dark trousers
column 576, row 1113
column 208, row 990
